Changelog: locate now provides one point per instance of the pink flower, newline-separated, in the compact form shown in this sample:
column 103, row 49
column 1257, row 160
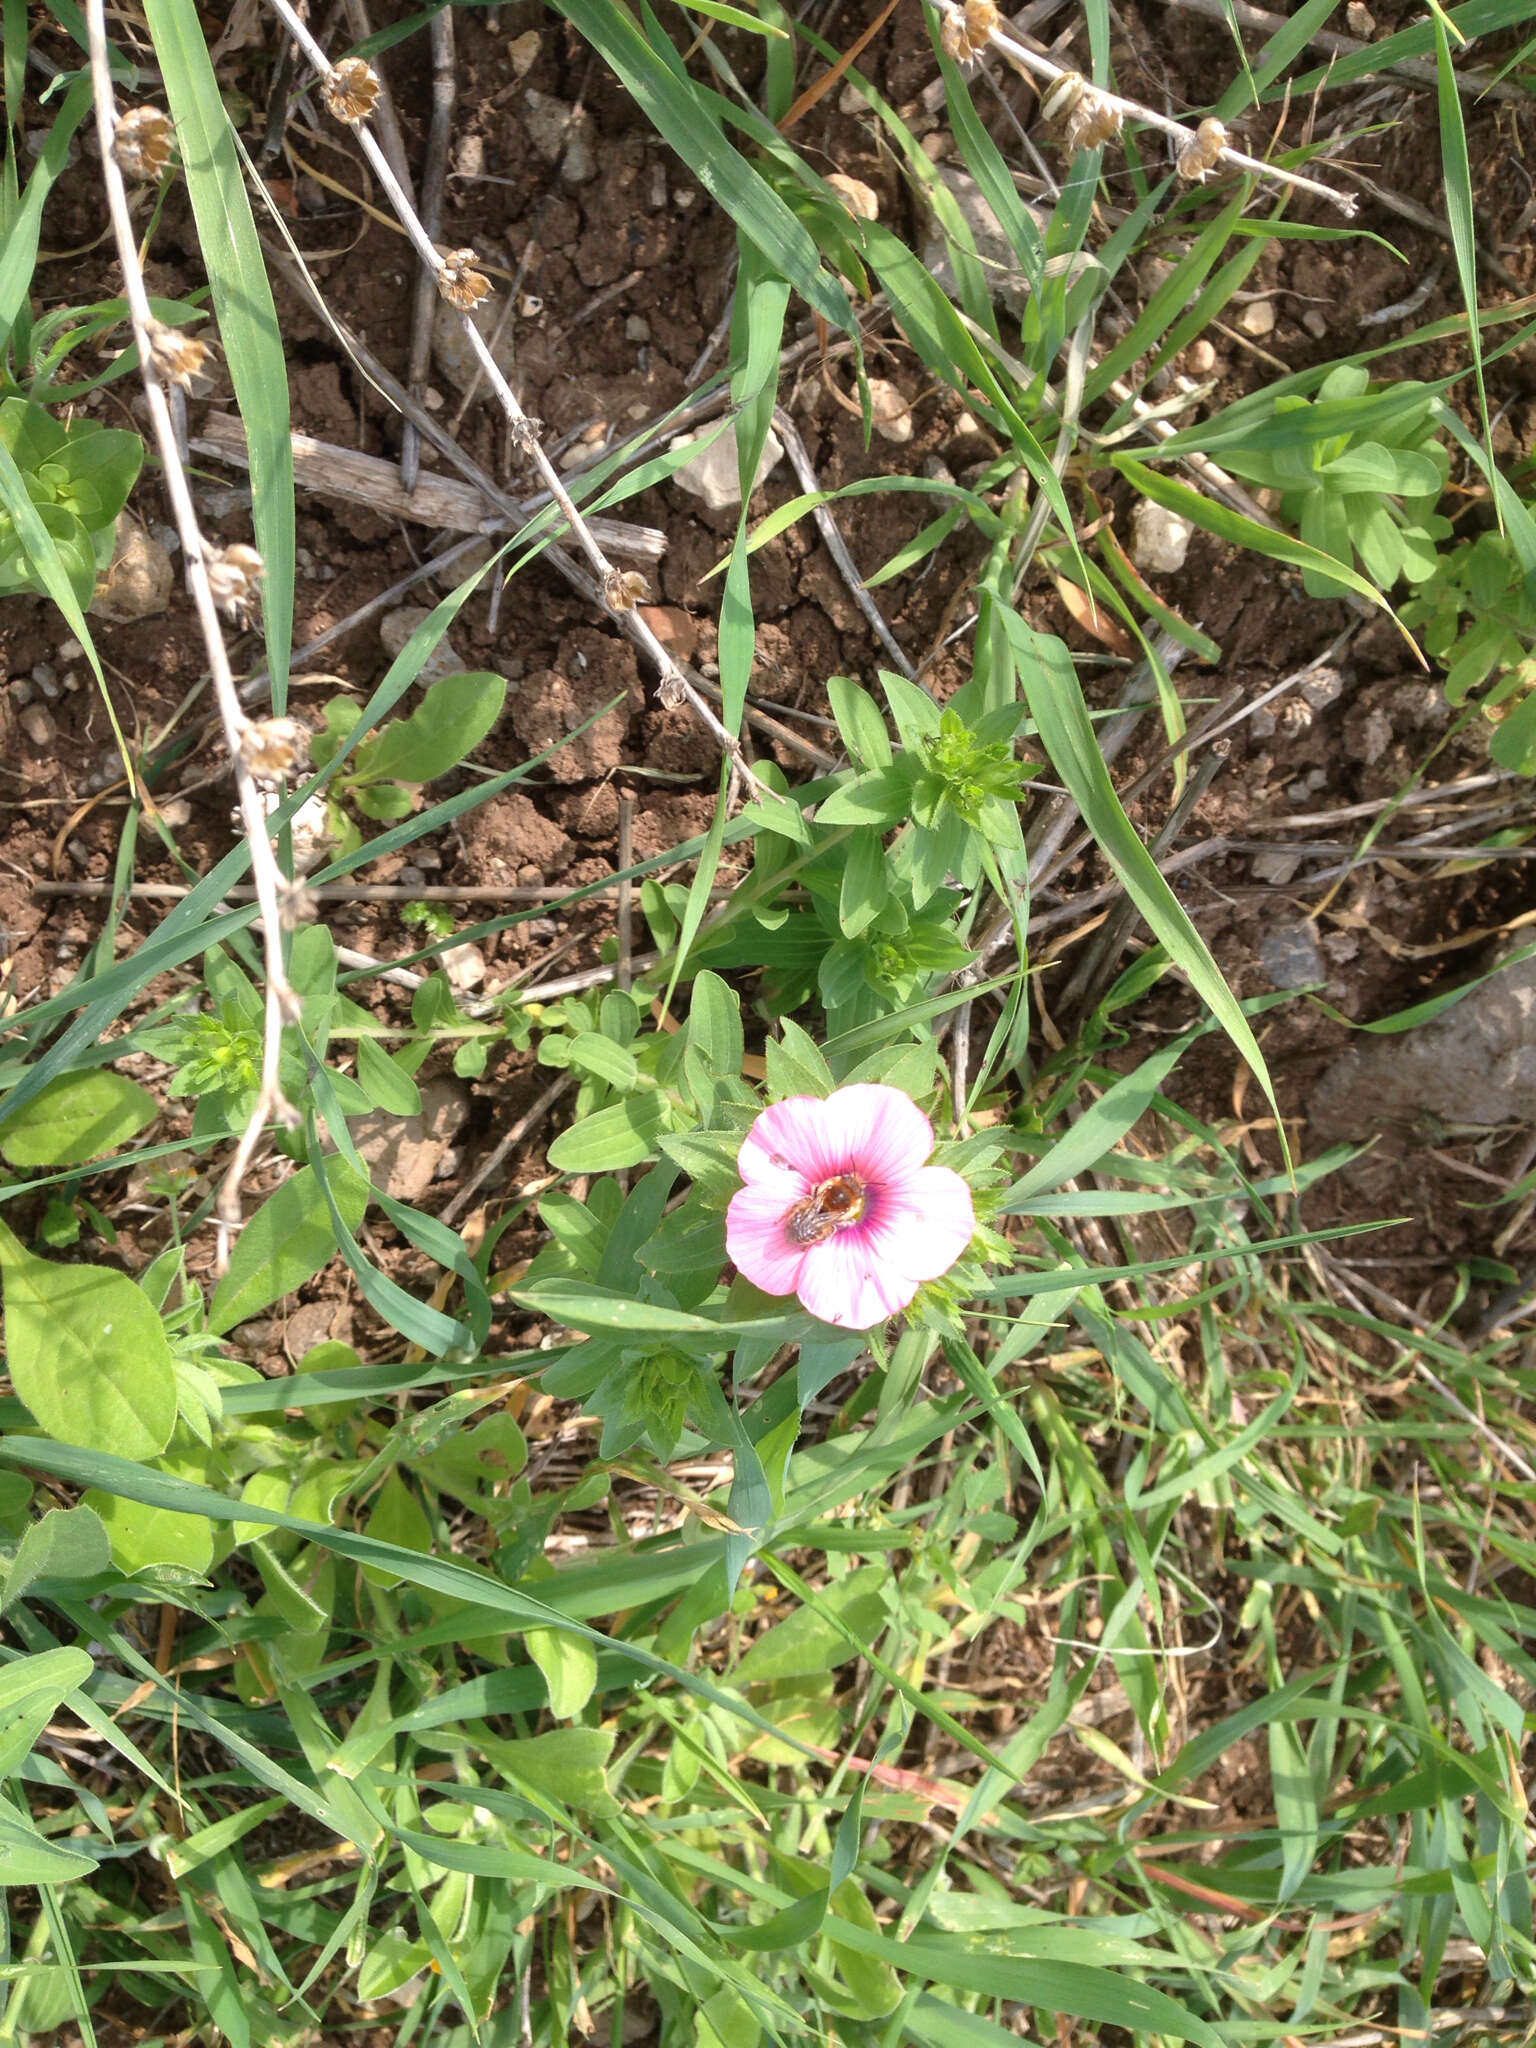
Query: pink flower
column 839, row 1207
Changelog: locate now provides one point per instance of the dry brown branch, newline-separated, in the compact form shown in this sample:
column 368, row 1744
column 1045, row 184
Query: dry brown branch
column 259, row 752
column 440, row 501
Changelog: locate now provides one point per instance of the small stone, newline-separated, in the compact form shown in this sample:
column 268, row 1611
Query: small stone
column 46, row 677
column 852, row 102
column 714, row 473
column 396, row 628
column 937, row 470
column 403, row 1151
column 162, row 531
column 79, row 853
column 1278, row 867
column 139, row 583
column 1290, row 956
column 578, row 166
column 673, row 628
column 21, row 691
column 411, row 878
column 69, row 650
column 1201, row 357
column 684, row 197
column 1159, row 538
column 637, row 328
column 1262, row 724
column 464, row 967
column 523, row 52
column 1257, row 319
column 1322, row 687
column 548, row 123
column 175, row 812
column 69, row 682
column 1313, row 321
column 37, row 724
column 433, row 399
column 1370, row 739
column 858, row 197
column 1359, row 20
column 892, row 414
column 1005, row 279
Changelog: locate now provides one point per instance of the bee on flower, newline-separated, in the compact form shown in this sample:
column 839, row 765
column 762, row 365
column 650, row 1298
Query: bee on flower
column 840, row 1208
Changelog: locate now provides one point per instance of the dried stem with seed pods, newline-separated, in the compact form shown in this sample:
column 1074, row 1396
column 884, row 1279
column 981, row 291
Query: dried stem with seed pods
column 350, row 92
column 1092, row 116
column 261, row 751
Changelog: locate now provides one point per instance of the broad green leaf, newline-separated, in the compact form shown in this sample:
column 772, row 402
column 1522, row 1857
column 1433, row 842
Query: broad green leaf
column 597, row 1055
column 809, row 1641
column 399, row 1518
column 140, row 1535
column 27, row 1857
column 78, row 1117
column 387, row 1083
column 64, row 1544
column 568, row 1764
column 569, row 1666
column 451, row 720
column 288, row 1241
column 624, row 1134
column 87, row 1354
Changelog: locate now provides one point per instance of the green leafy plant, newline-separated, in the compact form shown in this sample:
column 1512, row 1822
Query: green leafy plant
column 77, row 476
column 1477, row 613
column 1360, row 472
column 380, row 779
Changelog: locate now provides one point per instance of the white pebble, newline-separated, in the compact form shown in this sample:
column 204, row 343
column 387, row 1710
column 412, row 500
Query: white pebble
column 1160, row 538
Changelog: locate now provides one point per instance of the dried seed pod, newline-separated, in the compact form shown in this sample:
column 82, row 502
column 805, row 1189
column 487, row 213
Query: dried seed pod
column 1094, row 120
column 1059, row 99
column 176, row 356
column 624, row 589
column 953, row 40
column 141, row 142
column 352, row 91
column 459, row 281
column 671, row 690
column 297, row 904
column 234, row 577
column 968, row 35
column 274, row 746
column 1204, row 153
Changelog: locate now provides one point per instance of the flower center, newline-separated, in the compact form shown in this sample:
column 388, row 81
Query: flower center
column 830, row 1206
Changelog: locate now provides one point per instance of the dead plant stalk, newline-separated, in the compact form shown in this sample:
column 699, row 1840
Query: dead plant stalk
column 240, row 731
column 674, row 687
column 1025, row 59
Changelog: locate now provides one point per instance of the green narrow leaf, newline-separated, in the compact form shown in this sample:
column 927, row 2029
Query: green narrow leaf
column 1066, row 732
column 249, row 329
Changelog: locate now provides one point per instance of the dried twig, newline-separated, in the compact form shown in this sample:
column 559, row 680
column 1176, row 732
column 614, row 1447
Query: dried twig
column 265, row 749
column 504, row 1146
column 837, row 547
column 350, row 90
column 434, row 175
column 1194, row 148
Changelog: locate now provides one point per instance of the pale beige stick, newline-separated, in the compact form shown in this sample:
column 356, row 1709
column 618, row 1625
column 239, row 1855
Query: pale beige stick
column 974, row 27
column 261, row 752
